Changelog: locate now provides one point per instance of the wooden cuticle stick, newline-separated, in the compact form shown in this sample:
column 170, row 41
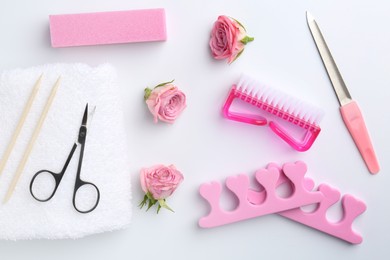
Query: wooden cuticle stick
column 30, row 145
column 20, row 124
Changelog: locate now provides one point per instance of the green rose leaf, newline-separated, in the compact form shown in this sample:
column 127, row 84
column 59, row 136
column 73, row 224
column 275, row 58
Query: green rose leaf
column 238, row 55
column 147, row 91
column 143, row 202
column 149, row 200
column 163, row 84
column 163, row 204
column 240, row 24
column 247, row 39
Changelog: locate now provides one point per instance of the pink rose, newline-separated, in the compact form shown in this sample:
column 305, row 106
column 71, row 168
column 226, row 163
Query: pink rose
column 228, row 39
column 165, row 102
column 159, row 182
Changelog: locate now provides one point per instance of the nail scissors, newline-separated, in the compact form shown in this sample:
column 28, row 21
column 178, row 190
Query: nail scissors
column 82, row 135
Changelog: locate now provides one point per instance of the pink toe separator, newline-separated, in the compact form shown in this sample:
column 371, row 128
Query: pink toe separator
column 257, row 203
column 272, row 203
column 352, row 208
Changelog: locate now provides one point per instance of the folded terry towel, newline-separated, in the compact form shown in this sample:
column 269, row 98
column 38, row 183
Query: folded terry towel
column 105, row 158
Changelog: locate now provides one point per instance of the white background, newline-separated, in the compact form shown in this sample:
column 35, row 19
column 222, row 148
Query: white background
column 205, row 146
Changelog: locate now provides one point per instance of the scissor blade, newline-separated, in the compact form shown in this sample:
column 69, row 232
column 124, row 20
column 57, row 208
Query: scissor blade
column 333, row 72
column 85, row 117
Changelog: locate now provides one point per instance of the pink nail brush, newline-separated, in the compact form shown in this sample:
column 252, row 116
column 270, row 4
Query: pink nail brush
column 283, row 113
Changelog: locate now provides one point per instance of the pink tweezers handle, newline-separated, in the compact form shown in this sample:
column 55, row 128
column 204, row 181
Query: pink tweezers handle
column 355, row 123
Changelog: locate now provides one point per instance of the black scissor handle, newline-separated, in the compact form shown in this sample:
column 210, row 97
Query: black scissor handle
column 80, row 183
column 57, row 178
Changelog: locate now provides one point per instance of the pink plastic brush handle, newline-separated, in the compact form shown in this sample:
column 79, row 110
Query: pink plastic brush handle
column 298, row 145
column 241, row 117
column 355, row 123
column 312, row 131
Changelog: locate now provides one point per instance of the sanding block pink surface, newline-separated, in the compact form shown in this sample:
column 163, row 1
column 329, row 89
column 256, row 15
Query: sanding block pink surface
column 145, row 25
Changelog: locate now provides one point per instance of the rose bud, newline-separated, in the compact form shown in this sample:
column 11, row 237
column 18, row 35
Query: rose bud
column 159, row 182
column 165, row 102
column 228, row 39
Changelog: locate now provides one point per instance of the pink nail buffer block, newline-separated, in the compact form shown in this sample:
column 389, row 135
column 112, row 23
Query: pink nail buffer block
column 107, row 27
